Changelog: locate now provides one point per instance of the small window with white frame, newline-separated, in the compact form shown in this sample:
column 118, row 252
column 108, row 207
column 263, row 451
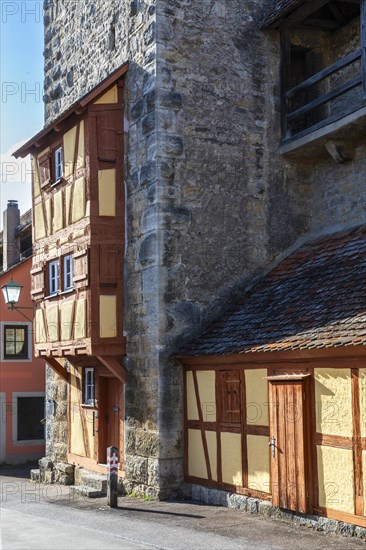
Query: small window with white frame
column 59, row 171
column 88, row 387
column 54, row 277
column 68, row 272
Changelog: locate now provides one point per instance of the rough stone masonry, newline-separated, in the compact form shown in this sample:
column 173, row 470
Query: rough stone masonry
column 210, row 202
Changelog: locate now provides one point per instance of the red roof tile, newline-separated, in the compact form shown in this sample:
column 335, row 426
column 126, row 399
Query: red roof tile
column 316, row 297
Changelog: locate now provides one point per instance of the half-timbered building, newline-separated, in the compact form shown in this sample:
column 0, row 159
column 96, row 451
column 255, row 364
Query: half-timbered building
column 77, row 271
column 275, row 391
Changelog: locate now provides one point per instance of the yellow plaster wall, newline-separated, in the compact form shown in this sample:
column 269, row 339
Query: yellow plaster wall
column 40, row 327
column 206, row 388
column 111, row 96
column 39, row 225
column 69, row 151
column 362, row 377
column 36, row 184
column 57, row 211
column 107, row 192
column 47, row 207
column 77, row 446
column 192, row 410
column 211, row 439
column 107, row 316
column 66, row 320
column 80, row 161
column 256, row 389
column 80, row 319
column 336, row 479
column 258, row 463
column 196, row 455
column 231, row 458
column 333, row 401
column 78, row 203
column 52, row 322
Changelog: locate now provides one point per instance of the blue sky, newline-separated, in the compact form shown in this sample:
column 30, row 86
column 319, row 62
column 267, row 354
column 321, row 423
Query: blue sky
column 21, row 106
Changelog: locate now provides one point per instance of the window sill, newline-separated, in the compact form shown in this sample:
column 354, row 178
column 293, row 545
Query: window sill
column 28, row 442
column 86, row 406
column 67, row 291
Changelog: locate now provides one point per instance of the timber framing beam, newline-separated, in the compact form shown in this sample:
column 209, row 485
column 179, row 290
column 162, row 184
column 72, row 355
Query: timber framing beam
column 57, row 368
column 115, row 367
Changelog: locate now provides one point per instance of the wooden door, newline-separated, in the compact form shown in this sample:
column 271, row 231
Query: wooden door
column 288, row 453
column 109, row 416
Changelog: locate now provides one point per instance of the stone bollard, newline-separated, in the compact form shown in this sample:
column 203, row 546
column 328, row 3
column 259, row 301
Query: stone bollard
column 112, row 485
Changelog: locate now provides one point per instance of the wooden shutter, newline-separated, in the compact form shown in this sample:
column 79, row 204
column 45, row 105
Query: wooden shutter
column 38, row 282
column 44, row 169
column 81, row 268
column 109, row 128
column 110, row 264
column 230, row 397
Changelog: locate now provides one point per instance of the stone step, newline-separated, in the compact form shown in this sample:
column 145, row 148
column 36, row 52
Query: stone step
column 35, row 475
column 85, row 491
column 94, row 481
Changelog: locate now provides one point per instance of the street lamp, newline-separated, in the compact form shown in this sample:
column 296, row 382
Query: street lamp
column 11, row 292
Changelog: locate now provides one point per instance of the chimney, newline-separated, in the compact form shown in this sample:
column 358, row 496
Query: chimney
column 10, row 244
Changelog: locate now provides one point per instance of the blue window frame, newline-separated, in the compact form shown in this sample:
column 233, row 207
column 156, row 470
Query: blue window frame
column 59, row 170
column 68, row 272
column 54, row 277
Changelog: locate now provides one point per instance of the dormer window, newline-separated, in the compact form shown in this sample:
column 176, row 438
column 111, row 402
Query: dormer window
column 58, row 164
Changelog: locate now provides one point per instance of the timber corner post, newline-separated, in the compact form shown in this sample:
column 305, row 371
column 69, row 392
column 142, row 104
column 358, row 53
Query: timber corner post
column 112, row 477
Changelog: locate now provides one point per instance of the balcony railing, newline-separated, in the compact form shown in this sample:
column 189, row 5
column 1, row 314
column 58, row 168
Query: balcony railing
column 301, row 116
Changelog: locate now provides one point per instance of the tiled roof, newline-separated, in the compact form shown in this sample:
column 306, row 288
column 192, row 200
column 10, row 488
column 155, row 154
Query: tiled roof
column 281, row 7
column 315, row 298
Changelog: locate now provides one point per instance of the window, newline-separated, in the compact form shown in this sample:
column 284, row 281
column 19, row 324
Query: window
column 68, row 272
column 30, row 412
column 58, row 164
column 16, row 342
column 54, row 278
column 88, row 387
column 61, row 275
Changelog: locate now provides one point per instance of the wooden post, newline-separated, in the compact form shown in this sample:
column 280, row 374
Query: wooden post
column 112, row 464
column 363, row 45
column 285, row 79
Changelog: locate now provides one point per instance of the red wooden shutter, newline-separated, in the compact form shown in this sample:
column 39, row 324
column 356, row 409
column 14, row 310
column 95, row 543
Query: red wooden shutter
column 38, row 282
column 81, row 271
column 230, row 397
column 109, row 127
column 44, row 169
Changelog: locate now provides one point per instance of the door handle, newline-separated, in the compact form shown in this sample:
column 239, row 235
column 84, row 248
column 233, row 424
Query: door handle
column 272, row 444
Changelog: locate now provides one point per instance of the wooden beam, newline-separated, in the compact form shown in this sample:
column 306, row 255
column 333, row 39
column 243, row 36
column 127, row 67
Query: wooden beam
column 285, row 79
column 363, row 45
column 357, row 444
column 337, row 12
column 57, row 368
column 303, row 12
column 115, row 367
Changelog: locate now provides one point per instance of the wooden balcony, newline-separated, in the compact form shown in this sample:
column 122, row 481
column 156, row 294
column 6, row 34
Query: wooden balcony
column 323, row 75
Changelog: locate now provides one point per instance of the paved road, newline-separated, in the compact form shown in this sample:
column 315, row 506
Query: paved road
column 35, row 516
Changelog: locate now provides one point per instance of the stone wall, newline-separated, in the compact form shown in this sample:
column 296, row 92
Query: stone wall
column 210, row 202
